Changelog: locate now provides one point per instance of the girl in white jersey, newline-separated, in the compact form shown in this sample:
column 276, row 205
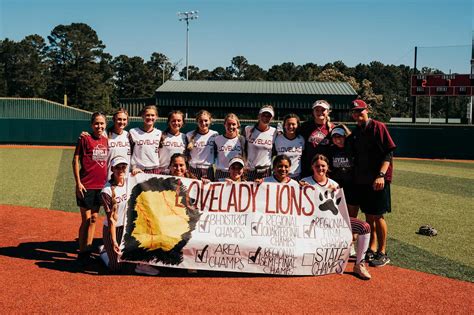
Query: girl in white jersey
column 119, row 143
column 260, row 139
column 236, row 170
column 291, row 144
column 114, row 199
column 228, row 145
column 320, row 167
column 201, row 146
column 145, row 142
column 281, row 171
column 172, row 140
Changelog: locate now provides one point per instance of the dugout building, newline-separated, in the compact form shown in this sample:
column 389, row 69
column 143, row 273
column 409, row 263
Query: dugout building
column 244, row 98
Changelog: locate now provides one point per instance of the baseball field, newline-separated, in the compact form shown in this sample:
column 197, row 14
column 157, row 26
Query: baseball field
column 38, row 244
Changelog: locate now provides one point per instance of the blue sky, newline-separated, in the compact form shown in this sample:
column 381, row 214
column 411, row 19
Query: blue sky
column 265, row 32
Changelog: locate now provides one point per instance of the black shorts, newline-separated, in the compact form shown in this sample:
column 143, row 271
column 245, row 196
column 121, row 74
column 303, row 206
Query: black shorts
column 350, row 195
column 371, row 201
column 91, row 200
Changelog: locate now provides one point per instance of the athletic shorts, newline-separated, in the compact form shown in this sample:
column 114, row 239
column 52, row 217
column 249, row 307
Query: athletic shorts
column 371, row 201
column 200, row 172
column 258, row 173
column 91, row 200
column 349, row 194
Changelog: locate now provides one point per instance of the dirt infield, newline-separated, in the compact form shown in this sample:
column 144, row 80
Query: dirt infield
column 38, row 274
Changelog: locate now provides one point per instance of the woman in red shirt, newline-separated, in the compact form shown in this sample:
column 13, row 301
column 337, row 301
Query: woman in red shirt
column 90, row 174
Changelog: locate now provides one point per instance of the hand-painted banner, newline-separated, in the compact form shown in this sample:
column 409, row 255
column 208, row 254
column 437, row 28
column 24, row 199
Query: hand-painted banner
column 242, row 227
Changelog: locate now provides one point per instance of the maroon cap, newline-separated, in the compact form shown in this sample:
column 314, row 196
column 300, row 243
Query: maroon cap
column 359, row 104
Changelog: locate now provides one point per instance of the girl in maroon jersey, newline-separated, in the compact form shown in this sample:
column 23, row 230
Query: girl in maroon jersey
column 315, row 132
column 90, row 174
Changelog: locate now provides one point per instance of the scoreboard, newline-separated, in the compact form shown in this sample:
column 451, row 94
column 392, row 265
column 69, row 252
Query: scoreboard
column 442, row 85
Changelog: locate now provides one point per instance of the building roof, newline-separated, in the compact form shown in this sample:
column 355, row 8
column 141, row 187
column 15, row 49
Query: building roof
column 258, row 87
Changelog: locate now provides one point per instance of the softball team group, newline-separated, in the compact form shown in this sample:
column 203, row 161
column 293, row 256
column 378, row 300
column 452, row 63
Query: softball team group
column 316, row 152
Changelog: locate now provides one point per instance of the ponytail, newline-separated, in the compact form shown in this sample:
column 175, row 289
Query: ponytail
column 114, row 208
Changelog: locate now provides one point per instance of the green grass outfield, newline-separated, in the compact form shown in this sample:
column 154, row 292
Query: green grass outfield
column 439, row 193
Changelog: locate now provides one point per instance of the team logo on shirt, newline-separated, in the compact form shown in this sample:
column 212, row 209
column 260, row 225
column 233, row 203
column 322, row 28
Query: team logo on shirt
column 229, row 148
column 290, row 149
column 340, row 162
column 99, row 155
column 318, row 137
column 119, row 144
column 259, row 141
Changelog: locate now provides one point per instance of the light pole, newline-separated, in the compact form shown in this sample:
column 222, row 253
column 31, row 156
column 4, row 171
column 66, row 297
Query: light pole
column 186, row 16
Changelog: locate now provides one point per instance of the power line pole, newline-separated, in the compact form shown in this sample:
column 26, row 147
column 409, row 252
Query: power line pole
column 186, row 16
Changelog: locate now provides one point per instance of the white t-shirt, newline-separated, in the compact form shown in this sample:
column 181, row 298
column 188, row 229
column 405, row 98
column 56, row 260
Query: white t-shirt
column 226, row 149
column 145, row 148
column 272, row 179
column 202, row 153
column 310, row 180
column 259, row 146
column 292, row 149
column 121, row 197
column 119, row 145
column 171, row 144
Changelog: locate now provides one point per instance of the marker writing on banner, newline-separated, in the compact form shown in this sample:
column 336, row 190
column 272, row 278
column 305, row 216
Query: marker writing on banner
column 226, row 256
column 328, row 260
column 276, row 260
column 278, row 199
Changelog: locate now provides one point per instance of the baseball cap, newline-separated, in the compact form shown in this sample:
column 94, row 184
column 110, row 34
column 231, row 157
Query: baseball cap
column 267, row 109
column 359, row 104
column 118, row 160
column 321, row 103
column 237, row 160
column 338, row 131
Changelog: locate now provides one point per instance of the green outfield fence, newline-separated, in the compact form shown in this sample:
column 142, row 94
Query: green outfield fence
column 42, row 122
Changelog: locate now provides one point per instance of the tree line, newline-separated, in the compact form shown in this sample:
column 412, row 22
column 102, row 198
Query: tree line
column 73, row 61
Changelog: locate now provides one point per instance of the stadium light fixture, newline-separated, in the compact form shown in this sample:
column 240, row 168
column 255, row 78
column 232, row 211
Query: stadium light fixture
column 186, row 16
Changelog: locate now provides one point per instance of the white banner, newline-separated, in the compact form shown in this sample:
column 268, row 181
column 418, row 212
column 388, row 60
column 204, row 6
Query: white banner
column 242, row 227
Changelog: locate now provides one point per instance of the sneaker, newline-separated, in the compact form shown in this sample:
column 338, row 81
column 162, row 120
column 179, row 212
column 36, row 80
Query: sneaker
column 84, row 258
column 145, row 269
column 380, row 260
column 361, row 271
column 105, row 258
column 369, row 255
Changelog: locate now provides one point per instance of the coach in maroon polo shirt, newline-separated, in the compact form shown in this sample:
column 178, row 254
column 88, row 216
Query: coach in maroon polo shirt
column 373, row 152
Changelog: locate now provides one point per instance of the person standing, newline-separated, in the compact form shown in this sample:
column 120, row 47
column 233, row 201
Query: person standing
column 228, row 145
column 373, row 153
column 89, row 167
column 145, row 143
column 200, row 147
column 172, row 140
column 260, row 139
column 315, row 132
column 119, row 142
column 291, row 144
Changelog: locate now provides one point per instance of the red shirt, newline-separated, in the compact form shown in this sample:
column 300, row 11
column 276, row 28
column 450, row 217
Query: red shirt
column 372, row 143
column 92, row 154
column 314, row 136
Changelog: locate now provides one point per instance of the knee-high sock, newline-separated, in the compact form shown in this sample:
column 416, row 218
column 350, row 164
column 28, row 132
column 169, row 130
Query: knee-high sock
column 362, row 246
